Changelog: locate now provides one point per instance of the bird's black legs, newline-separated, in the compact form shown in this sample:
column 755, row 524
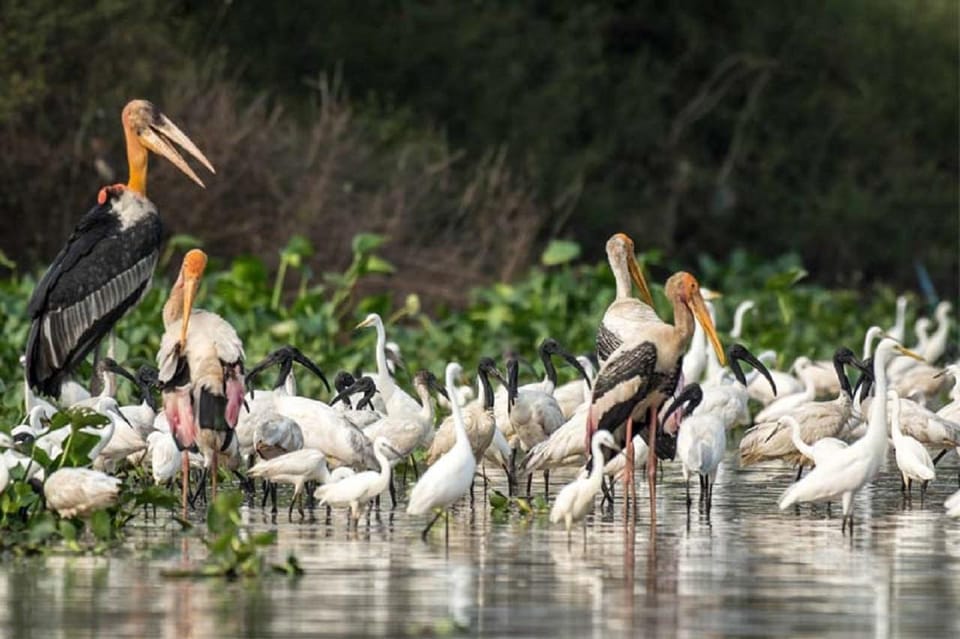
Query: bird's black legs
column 940, row 456
column 423, row 535
column 546, row 484
column 799, row 471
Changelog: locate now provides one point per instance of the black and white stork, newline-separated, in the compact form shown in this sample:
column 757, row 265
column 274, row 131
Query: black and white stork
column 201, row 372
column 109, row 258
column 644, row 371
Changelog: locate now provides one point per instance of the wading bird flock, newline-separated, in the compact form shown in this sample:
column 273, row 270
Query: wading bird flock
column 653, row 390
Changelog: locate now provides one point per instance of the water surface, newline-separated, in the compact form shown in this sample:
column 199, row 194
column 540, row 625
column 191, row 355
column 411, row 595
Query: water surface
column 748, row 570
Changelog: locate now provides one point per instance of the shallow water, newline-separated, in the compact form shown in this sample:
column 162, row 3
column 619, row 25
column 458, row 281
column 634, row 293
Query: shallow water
column 748, row 570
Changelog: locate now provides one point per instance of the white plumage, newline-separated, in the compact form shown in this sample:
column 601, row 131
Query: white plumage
column 576, row 499
column 78, row 492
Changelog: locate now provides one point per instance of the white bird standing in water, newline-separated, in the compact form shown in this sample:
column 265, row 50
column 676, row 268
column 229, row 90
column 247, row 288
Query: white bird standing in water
column 913, row 460
column 358, row 489
column 296, row 468
column 451, row 476
column 848, row 470
column 576, row 499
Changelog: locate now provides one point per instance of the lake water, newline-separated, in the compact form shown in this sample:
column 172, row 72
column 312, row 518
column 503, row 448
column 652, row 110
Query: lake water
column 747, row 571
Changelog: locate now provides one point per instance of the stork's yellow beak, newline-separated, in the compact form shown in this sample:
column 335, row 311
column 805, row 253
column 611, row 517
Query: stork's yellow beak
column 369, row 321
column 636, row 274
column 699, row 309
column 194, row 263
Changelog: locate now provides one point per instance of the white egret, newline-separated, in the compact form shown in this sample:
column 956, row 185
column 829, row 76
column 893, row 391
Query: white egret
column 846, row 472
column 451, row 476
column 295, row 468
column 575, row 500
column 358, row 489
column 913, row 460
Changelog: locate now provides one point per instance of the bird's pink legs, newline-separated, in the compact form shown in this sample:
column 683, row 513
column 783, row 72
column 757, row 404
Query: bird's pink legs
column 628, row 495
column 652, row 463
column 185, row 471
column 213, row 489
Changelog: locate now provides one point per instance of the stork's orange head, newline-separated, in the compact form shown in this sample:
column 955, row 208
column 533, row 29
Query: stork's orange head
column 685, row 288
column 194, row 264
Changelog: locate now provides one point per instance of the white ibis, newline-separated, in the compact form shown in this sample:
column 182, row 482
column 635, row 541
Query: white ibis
column 108, row 260
column 645, row 369
column 201, row 371
column 845, row 472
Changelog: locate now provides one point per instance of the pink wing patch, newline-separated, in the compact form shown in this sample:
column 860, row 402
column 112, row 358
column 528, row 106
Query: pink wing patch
column 178, row 408
column 234, row 388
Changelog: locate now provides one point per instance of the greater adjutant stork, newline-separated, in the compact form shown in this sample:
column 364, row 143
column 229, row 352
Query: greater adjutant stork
column 644, row 370
column 201, row 371
column 109, row 258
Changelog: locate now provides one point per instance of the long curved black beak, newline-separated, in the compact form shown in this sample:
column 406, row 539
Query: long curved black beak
column 842, row 358
column 513, row 371
column 688, row 399
column 284, row 356
column 435, row 385
column 739, row 353
column 364, row 385
column 572, row 360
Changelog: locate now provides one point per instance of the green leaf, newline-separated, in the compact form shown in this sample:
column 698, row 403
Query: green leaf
column 784, row 280
column 379, row 265
column 498, row 500
column 42, row 527
column 560, row 252
column 364, row 243
column 101, row 526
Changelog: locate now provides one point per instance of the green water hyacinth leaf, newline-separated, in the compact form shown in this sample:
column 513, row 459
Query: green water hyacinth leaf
column 364, row 243
column 379, row 265
column 100, row 525
column 560, row 252
column 498, row 500
column 783, row 281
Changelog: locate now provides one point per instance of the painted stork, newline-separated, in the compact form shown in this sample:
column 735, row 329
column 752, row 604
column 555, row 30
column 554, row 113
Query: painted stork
column 644, row 370
column 201, row 371
column 626, row 312
column 109, row 258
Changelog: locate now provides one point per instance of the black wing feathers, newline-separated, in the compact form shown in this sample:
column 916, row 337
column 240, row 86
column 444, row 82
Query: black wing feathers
column 99, row 274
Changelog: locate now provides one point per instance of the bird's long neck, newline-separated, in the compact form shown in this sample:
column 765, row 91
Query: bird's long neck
column 384, row 464
column 485, row 390
column 105, row 436
column 426, row 408
column 550, row 377
column 621, row 275
column 684, row 324
column 596, row 470
column 173, row 308
column 137, row 159
column 877, row 427
column 386, row 381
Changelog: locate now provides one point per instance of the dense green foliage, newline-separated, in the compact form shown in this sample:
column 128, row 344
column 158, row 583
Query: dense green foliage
column 815, row 128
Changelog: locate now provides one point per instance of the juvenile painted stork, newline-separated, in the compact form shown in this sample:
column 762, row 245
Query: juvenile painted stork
column 108, row 260
column 201, row 371
column 644, row 370
column 626, row 312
